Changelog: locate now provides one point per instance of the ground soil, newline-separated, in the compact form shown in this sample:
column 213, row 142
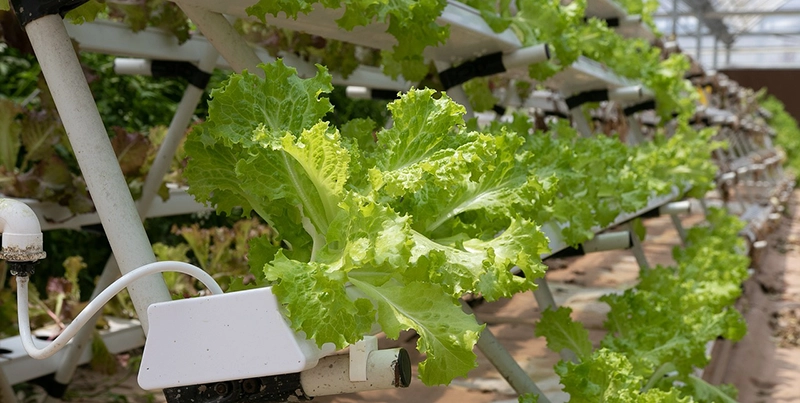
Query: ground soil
column 765, row 365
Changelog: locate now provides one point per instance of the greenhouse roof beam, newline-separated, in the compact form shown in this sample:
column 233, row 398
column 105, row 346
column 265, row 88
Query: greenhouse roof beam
column 732, row 13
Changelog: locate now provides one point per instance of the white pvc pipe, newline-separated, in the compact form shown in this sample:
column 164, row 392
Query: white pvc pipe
column 239, row 55
column 386, row 369
column 358, row 92
column 96, row 304
column 608, row 241
column 22, row 235
column 526, row 56
column 96, row 158
column 133, row 67
column 679, row 207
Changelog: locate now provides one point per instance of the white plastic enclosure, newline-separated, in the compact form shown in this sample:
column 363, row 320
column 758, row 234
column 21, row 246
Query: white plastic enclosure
column 222, row 337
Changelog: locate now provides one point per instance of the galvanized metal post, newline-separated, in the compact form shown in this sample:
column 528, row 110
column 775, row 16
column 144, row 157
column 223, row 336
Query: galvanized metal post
column 727, row 55
column 505, row 364
column 716, row 51
column 638, row 251
column 699, row 37
column 675, row 20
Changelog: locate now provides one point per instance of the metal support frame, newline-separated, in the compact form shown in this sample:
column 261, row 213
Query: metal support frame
column 716, row 52
column 699, row 37
column 579, row 119
column 638, row 251
column 676, row 221
column 505, row 364
column 635, row 135
column 674, row 19
column 727, row 54
column 6, row 392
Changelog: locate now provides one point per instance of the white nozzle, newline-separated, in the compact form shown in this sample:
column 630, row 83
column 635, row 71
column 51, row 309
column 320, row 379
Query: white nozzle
column 608, row 241
column 680, row 207
column 526, row 56
column 355, row 92
column 631, row 20
column 627, row 94
column 728, row 177
column 22, row 235
column 136, row 67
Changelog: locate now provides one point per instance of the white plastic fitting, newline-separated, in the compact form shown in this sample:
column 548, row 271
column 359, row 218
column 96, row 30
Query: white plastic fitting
column 358, row 92
column 631, row 20
column 671, row 46
column 526, row 56
column 679, row 207
column 628, row 94
column 728, row 177
column 134, row 67
column 608, row 241
column 22, row 234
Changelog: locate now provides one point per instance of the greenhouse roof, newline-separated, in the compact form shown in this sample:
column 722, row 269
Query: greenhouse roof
column 734, row 33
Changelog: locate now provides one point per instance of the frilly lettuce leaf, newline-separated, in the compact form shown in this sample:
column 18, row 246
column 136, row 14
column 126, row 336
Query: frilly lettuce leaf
column 344, row 251
column 563, row 333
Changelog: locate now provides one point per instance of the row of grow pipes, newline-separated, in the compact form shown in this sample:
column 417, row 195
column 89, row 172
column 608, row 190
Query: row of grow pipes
column 114, row 204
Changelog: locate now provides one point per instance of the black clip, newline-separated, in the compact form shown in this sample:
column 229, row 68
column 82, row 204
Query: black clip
column 643, row 106
column 585, row 97
column 481, row 67
column 384, row 95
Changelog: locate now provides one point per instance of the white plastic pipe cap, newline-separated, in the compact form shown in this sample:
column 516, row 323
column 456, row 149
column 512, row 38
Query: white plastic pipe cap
column 140, row 67
column 608, row 241
column 22, row 234
column 526, row 56
column 627, row 94
column 356, row 92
